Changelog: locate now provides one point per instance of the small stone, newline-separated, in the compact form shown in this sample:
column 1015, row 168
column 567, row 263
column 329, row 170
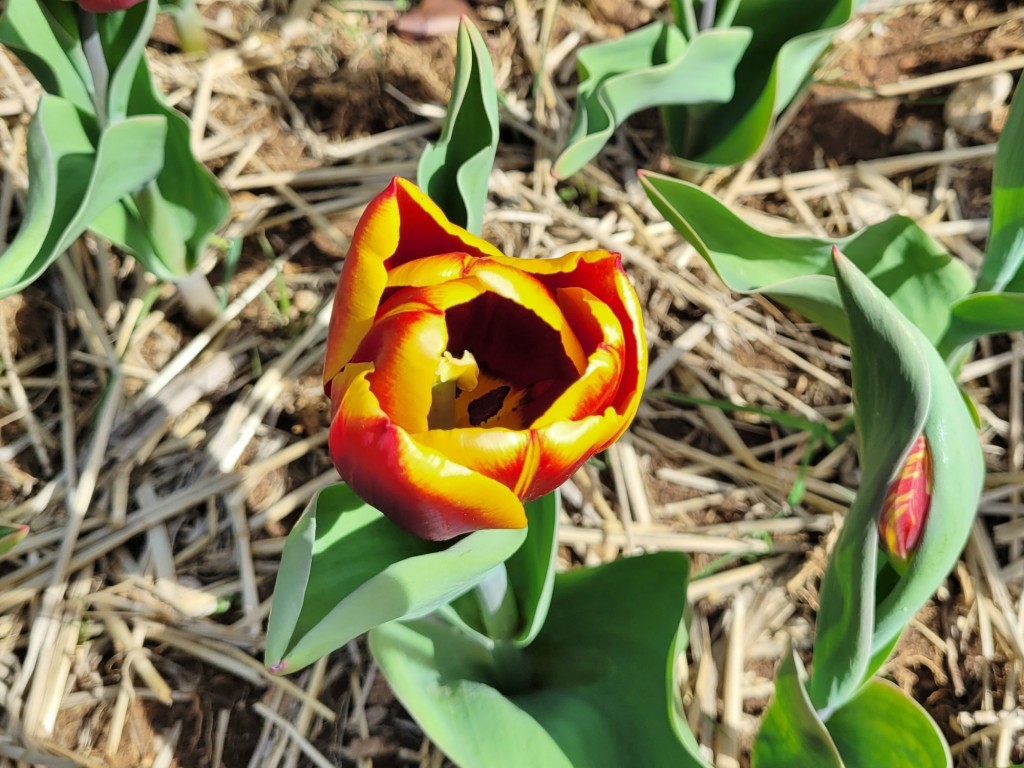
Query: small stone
column 305, row 301
column 972, row 104
column 916, row 136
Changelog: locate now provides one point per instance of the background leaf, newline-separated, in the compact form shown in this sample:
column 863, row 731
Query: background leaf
column 10, row 537
column 603, row 689
column 454, row 171
column 649, row 67
column 71, row 182
column 350, row 569
column 898, row 256
column 788, row 37
column 884, row 726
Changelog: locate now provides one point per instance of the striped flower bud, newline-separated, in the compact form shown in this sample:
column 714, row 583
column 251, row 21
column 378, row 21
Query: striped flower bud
column 905, row 509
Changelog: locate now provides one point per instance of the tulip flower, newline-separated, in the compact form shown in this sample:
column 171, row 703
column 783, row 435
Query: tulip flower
column 905, row 509
column 464, row 382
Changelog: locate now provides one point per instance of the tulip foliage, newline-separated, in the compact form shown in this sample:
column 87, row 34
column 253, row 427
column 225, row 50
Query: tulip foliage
column 105, row 152
column 909, row 313
column 720, row 79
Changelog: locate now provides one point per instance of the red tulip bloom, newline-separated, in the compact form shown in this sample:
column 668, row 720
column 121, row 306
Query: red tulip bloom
column 464, row 382
column 905, row 509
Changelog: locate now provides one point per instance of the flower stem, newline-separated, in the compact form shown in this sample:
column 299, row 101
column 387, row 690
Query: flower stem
column 189, row 25
column 198, row 297
column 707, row 14
column 501, row 620
column 93, row 50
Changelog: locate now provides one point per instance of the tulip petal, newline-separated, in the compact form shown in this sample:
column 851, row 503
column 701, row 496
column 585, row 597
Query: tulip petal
column 417, row 487
column 600, row 331
column 400, row 225
column 529, row 462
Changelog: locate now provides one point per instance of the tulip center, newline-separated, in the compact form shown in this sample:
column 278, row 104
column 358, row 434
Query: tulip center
column 455, row 375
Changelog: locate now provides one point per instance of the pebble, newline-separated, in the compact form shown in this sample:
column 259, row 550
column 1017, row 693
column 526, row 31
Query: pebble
column 305, row 300
column 973, row 103
column 916, row 136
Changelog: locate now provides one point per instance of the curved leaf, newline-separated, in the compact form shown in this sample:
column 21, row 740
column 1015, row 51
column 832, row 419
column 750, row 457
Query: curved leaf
column 10, row 537
column 892, row 389
column 898, row 256
column 981, row 314
column 346, row 569
column 883, row 726
column 603, row 692
column 649, row 67
column 788, row 37
column 455, row 170
column 71, row 182
column 1003, row 268
column 791, row 734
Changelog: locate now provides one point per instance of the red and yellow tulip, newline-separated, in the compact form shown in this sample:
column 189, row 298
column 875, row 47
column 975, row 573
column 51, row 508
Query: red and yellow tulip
column 905, row 509
column 464, row 382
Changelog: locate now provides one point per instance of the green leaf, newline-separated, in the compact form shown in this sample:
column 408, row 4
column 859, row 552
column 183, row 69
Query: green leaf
column 883, row 726
column 788, row 37
column 1003, row 268
column 791, row 734
column 898, row 378
column 531, row 574
column 602, row 695
column 891, row 389
column 346, row 569
column 982, row 314
column 71, row 182
column 899, row 257
column 166, row 224
column 44, row 36
column 649, row 67
column 124, row 37
column 454, row 172
column 10, row 537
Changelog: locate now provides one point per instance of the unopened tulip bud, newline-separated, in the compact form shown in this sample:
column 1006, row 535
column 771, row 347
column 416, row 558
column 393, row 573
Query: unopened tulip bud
column 905, row 510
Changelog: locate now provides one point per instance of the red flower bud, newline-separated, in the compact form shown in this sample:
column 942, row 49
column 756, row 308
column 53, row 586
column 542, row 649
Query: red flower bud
column 107, row 6
column 905, row 509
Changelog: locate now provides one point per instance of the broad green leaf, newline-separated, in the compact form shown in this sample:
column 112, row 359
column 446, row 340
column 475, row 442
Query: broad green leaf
column 531, row 574
column 791, row 734
column 649, row 67
column 454, row 172
column 982, row 314
column 346, row 569
column 602, row 693
column 897, row 255
column 891, row 389
column 788, row 37
column 44, row 37
column 10, row 537
column 71, row 182
column 883, row 726
column 1003, row 268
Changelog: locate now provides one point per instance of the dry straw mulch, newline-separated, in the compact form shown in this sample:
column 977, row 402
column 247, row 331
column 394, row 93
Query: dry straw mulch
column 160, row 462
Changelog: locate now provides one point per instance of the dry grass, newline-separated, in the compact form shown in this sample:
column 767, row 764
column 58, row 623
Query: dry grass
column 160, row 465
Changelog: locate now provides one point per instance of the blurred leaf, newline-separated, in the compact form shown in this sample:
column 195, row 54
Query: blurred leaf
column 788, row 37
column 900, row 258
column 346, row 569
column 455, row 171
column 10, row 537
column 166, row 224
column 883, row 726
column 531, row 574
column 44, row 36
column 71, row 182
column 649, row 67
column 1004, row 257
column 899, row 379
column 124, row 36
column 791, row 734
column 603, row 693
